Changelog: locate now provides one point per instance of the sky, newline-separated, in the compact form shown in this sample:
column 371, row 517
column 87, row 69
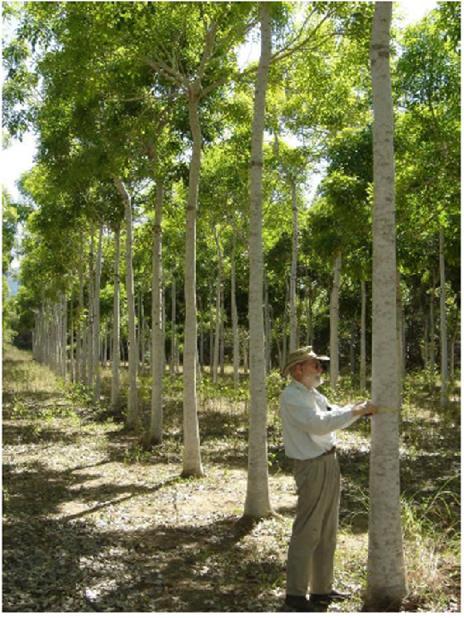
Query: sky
column 18, row 157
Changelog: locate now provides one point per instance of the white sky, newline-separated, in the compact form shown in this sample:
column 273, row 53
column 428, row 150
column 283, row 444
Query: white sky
column 19, row 156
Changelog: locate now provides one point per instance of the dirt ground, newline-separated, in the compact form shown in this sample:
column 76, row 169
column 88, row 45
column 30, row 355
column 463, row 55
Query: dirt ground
column 93, row 522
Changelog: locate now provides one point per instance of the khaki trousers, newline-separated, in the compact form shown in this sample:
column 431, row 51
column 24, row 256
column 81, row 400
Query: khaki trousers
column 312, row 545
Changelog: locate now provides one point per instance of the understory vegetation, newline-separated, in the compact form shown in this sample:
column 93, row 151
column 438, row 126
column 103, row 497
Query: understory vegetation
column 96, row 521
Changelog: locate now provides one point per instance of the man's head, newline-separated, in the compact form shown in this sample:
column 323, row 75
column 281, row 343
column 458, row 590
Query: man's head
column 305, row 367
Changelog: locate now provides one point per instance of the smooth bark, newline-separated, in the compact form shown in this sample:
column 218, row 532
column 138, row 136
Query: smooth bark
column 234, row 319
column 257, row 503
column 386, row 580
column 155, row 434
column 334, row 319
column 132, row 404
column 192, row 465
column 362, row 360
column 293, row 272
column 116, row 336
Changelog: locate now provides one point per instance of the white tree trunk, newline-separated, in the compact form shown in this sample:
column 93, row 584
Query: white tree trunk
column 116, row 356
column 443, row 326
column 132, row 405
column 362, row 363
column 173, row 327
column 217, row 331
column 91, row 316
column 267, row 326
column 293, row 272
column 432, row 322
column 399, row 337
column 257, row 503
column 386, row 581
column 192, row 465
column 234, row 316
column 96, row 330
column 80, row 365
column 334, row 318
column 157, row 348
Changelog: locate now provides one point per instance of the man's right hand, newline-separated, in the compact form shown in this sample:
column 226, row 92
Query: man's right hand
column 366, row 408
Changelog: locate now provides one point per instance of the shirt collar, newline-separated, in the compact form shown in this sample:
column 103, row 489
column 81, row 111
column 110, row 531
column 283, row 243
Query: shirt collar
column 301, row 386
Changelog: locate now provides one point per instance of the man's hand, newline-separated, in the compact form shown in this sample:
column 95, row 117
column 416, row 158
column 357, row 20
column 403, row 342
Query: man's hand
column 365, row 408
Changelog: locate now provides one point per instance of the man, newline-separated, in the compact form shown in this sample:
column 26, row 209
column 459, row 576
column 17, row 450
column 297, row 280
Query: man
column 308, row 424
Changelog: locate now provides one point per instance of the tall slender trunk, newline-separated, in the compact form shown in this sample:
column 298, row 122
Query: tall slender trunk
column 257, row 503
column 234, row 316
column 432, row 322
column 443, row 326
column 173, row 327
column 132, row 404
column 155, row 434
column 284, row 326
column 293, row 272
column 267, row 326
column 334, row 318
column 362, row 363
column 399, row 336
column 192, row 465
column 91, row 317
column 217, row 331
column 116, row 357
column 309, row 316
column 80, row 366
column 386, row 580
column 96, row 331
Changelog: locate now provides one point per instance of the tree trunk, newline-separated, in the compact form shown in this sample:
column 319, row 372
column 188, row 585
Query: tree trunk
column 362, row 363
column 115, row 357
column 132, row 406
column 217, row 332
column 155, row 434
column 284, row 327
column 234, row 316
column 432, row 322
column 309, row 317
column 399, row 337
column 334, row 316
column 172, row 367
column 257, row 503
column 293, row 272
column 443, row 326
column 386, row 580
column 96, row 330
column 191, row 458
column 267, row 326
column 91, row 317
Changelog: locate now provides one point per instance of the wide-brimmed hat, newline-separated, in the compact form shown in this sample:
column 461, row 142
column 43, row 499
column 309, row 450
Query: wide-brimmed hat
column 300, row 356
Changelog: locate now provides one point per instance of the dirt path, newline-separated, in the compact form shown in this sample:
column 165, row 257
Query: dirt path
column 94, row 523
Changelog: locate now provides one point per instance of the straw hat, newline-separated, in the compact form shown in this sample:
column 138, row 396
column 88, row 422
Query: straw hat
column 300, row 356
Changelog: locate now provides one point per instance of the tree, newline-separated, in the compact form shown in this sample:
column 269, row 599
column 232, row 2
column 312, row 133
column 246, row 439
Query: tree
column 257, row 503
column 386, row 584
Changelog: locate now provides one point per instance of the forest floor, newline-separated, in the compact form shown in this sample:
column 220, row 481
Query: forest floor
column 92, row 521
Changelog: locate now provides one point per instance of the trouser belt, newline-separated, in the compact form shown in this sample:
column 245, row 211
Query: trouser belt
column 332, row 450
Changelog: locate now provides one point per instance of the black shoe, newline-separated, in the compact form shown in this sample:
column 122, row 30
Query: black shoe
column 298, row 604
column 325, row 599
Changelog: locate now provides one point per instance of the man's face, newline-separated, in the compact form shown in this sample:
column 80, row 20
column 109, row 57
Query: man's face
column 311, row 373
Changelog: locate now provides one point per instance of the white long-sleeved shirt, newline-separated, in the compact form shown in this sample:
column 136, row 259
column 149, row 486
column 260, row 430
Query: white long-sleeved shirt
column 308, row 425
